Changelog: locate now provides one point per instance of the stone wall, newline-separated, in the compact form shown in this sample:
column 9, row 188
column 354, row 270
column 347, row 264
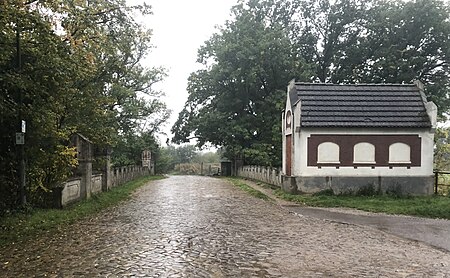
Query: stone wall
column 86, row 183
column 121, row 175
column 96, row 183
column 265, row 174
column 72, row 190
column 406, row 186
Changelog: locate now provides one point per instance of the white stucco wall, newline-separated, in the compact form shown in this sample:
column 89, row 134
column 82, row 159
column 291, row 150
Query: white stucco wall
column 294, row 120
column 71, row 191
column 300, row 168
column 283, row 142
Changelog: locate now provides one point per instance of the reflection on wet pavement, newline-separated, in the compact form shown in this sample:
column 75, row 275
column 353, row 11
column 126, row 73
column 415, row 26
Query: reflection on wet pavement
column 205, row 227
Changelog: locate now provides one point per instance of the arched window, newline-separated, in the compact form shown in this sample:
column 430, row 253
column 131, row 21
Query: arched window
column 328, row 152
column 364, row 153
column 399, row 153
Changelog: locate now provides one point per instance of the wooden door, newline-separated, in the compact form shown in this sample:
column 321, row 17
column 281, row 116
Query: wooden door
column 288, row 155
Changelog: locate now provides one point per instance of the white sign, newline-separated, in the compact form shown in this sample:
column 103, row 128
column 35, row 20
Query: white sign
column 24, row 126
column 146, row 158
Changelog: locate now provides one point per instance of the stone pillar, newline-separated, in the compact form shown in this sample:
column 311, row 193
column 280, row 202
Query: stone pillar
column 152, row 167
column 86, row 178
column 84, row 156
column 107, row 179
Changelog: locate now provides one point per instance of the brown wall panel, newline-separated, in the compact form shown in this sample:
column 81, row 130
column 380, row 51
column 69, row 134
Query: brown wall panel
column 381, row 143
column 288, row 155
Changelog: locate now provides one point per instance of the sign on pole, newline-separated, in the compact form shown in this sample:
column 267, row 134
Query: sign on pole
column 146, row 158
column 24, row 126
column 20, row 138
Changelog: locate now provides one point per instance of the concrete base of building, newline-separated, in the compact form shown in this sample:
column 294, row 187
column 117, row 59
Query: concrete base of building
column 289, row 184
column 404, row 186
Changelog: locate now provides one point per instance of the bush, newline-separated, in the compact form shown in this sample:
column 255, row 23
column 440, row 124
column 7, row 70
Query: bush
column 368, row 190
column 325, row 192
column 395, row 191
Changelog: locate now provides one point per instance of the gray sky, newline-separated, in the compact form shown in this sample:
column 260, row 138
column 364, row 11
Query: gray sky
column 179, row 29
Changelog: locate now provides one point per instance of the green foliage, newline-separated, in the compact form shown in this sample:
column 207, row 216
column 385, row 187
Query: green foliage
column 178, row 155
column 129, row 148
column 80, row 72
column 169, row 157
column 379, row 41
column 236, row 98
column 256, row 193
column 442, row 149
column 185, row 154
column 206, row 169
column 444, row 184
column 23, row 226
column 208, row 157
column 50, row 170
column 325, row 192
column 163, row 163
column 426, row 206
column 367, row 190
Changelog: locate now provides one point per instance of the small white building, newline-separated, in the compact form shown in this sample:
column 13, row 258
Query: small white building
column 348, row 137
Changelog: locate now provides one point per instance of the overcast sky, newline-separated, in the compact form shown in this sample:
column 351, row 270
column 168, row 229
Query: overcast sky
column 180, row 27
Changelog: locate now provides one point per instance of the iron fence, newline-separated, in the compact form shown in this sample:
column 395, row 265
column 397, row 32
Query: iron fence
column 441, row 182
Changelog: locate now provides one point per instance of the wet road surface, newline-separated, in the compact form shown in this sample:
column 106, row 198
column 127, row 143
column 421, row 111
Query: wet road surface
column 435, row 232
column 205, row 227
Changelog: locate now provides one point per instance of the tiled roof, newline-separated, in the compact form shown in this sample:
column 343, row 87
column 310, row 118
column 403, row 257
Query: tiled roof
column 361, row 105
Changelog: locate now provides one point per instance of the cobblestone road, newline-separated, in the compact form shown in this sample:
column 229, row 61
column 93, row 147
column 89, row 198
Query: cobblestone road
column 204, row 227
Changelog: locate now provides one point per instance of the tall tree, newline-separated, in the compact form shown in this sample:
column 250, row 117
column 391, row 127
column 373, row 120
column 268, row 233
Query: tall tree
column 80, row 72
column 326, row 31
column 378, row 41
column 236, row 99
column 409, row 41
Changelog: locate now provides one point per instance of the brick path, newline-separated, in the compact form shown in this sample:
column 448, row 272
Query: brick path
column 205, row 227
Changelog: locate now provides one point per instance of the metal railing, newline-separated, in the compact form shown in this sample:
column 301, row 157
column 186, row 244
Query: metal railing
column 441, row 182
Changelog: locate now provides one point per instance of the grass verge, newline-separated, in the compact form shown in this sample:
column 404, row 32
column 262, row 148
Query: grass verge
column 424, row 206
column 22, row 226
column 241, row 184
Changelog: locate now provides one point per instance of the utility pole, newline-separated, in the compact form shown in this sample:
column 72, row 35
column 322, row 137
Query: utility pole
column 20, row 136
